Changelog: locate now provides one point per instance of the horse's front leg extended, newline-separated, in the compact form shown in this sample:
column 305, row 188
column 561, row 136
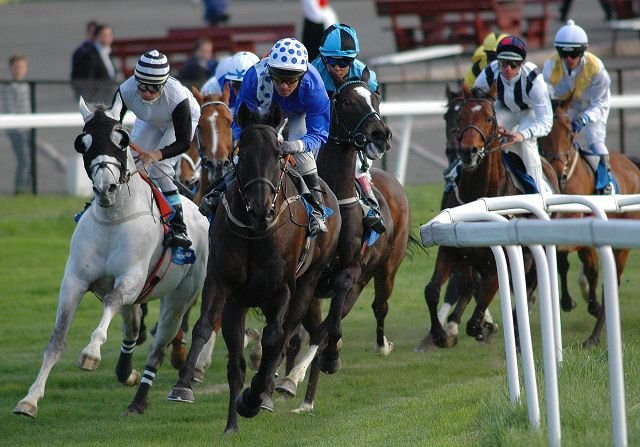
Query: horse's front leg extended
column 273, row 341
column 441, row 272
column 233, row 323
column 567, row 303
column 125, row 291
column 71, row 292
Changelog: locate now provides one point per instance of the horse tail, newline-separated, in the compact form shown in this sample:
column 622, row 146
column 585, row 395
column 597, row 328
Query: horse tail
column 414, row 246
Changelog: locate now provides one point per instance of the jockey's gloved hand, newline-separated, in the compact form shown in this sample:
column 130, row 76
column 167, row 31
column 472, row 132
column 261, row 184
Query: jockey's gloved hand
column 292, row 147
column 578, row 124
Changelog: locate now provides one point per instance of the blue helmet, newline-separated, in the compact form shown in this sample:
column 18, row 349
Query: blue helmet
column 340, row 40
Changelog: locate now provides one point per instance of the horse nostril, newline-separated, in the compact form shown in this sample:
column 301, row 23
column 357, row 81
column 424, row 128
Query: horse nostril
column 112, row 187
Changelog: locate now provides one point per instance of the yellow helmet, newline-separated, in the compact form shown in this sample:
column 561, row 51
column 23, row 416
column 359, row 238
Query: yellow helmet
column 490, row 42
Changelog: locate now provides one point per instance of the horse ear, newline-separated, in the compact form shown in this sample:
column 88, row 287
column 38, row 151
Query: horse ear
column 226, row 93
column 82, row 143
column 243, row 115
column 116, row 107
column 84, row 110
column 494, row 90
column 196, row 94
column 466, row 91
column 275, row 116
column 365, row 75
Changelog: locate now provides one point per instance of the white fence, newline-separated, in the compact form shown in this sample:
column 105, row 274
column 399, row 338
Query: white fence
column 404, row 109
column 453, row 227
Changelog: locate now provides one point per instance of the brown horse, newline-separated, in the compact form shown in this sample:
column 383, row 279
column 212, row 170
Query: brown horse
column 357, row 130
column 576, row 176
column 483, row 174
column 208, row 155
column 260, row 256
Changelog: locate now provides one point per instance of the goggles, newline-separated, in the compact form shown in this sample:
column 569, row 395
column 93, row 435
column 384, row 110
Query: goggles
column 289, row 81
column 151, row 88
column 504, row 63
column 342, row 62
column 573, row 54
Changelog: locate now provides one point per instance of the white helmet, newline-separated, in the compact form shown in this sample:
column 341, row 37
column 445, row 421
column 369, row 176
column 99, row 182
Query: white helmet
column 288, row 57
column 571, row 37
column 152, row 68
column 240, row 63
column 223, row 67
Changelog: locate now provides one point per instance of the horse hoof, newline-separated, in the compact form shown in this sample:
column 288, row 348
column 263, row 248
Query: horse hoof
column 243, row 409
column 329, row 365
column 288, row 387
column 450, row 342
column 305, row 407
column 26, row 409
column 181, row 394
column 88, row 363
column 133, row 379
column 568, row 306
column 267, row 402
column 491, row 328
column 133, row 410
column 591, row 343
column 386, row 348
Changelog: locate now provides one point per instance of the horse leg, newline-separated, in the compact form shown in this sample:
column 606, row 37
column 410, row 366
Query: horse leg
column 71, row 293
column 142, row 334
column 591, row 270
column 274, row 337
column 204, row 359
column 566, row 301
column 329, row 360
column 441, row 272
column 296, row 372
column 462, row 283
column 213, row 300
column 178, row 344
column 486, row 292
column 125, row 373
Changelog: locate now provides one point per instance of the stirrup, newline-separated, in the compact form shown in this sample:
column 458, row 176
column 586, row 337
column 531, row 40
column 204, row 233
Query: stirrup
column 373, row 220
column 178, row 239
column 606, row 191
column 316, row 225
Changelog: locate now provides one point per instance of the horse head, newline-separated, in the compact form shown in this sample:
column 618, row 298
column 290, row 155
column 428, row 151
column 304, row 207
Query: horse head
column 355, row 117
column 454, row 104
column 104, row 145
column 477, row 125
column 556, row 146
column 261, row 167
column 214, row 132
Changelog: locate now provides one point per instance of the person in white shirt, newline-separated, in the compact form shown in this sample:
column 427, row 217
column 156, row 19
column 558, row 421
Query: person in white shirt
column 166, row 118
column 577, row 73
column 523, row 107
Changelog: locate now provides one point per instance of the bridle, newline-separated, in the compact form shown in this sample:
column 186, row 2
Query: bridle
column 452, row 112
column 568, row 163
column 275, row 188
column 348, row 135
column 493, row 136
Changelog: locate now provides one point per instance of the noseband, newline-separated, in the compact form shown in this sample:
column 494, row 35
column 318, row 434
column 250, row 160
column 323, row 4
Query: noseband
column 350, row 136
column 486, row 141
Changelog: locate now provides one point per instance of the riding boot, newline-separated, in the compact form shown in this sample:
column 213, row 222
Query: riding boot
column 209, row 203
column 316, row 220
column 373, row 219
column 179, row 229
column 607, row 190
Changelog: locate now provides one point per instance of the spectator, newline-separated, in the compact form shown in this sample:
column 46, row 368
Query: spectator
column 197, row 69
column 95, row 78
column 215, row 11
column 566, row 6
column 318, row 16
column 16, row 98
column 76, row 58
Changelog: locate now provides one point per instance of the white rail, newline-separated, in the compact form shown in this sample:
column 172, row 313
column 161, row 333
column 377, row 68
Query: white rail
column 452, row 227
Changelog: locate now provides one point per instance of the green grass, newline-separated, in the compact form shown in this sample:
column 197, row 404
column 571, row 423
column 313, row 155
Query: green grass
column 455, row 397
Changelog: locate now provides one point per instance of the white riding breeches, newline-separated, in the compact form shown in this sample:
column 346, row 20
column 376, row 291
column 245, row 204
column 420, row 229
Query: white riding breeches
column 528, row 149
column 305, row 161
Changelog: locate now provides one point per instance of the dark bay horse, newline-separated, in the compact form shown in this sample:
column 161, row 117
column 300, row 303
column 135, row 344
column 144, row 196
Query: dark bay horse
column 483, row 174
column 575, row 176
column 357, row 130
column 260, row 256
column 116, row 251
